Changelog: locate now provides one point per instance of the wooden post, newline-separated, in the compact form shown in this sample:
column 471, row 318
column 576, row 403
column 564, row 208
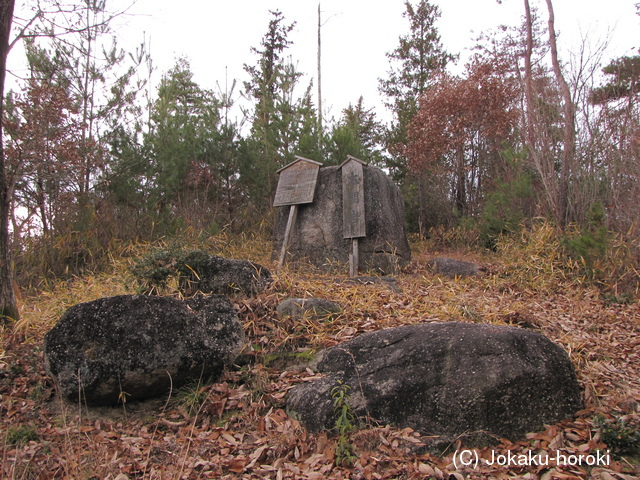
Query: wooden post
column 354, row 258
column 293, row 212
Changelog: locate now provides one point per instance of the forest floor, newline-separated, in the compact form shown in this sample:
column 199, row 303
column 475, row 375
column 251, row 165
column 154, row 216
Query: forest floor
column 238, row 428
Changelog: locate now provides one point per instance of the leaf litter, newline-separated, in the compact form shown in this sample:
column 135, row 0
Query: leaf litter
column 239, row 428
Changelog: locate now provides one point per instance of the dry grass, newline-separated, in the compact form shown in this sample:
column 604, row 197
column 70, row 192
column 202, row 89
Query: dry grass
column 240, row 429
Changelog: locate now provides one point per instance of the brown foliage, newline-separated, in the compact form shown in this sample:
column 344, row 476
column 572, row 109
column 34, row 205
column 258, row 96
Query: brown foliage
column 456, row 111
column 459, row 130
column 43, row 153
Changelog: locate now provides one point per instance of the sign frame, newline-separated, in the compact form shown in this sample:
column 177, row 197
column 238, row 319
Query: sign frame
column 297, row 182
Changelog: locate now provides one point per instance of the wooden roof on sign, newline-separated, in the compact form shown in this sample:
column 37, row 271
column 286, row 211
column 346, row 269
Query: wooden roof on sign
column 351, row 158
column 299, row 159
column 297, row 182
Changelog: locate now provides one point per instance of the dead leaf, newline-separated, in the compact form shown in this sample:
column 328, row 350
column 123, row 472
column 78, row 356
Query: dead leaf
column 237, row 465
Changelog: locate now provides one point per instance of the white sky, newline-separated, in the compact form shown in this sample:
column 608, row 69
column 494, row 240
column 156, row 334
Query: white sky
column 216, row 35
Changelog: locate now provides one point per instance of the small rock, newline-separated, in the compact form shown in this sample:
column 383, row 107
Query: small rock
column 453, row 268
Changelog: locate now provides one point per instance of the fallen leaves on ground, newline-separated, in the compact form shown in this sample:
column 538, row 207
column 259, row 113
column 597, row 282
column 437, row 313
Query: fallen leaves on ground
column 241, row 429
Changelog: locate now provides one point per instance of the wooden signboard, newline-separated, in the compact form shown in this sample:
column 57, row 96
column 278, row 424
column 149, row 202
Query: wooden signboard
column 353, row 217
column 296, row 186
column 297, row 183
column 353, row 221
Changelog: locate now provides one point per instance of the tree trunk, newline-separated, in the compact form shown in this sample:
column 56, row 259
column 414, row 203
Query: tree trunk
column 535, row 141
column 319, row 82
column 461, row 180
column 528, row 88
column 8, row 305
column 422, row 206
column 562, row 214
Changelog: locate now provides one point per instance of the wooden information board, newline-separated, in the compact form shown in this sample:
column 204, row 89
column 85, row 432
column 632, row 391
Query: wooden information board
column 297, row 183
column 353, row 221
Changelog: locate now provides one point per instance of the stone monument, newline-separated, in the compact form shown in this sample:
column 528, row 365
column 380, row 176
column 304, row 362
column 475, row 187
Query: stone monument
column 354, row 222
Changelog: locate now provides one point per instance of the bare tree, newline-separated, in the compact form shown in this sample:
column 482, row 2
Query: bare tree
column 8, row 305
column 569, row 112
column 615, row 135
column 548, row 106
column 539, row 109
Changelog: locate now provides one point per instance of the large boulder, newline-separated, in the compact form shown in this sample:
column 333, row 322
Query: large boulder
column 446, row 379
column 318, row 231
column 137, row 346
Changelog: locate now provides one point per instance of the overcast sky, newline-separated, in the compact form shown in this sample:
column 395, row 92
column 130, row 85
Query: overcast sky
column 216, row 35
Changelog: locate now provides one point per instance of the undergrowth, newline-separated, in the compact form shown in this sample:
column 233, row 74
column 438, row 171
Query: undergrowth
column 541, row 259
column 21, row 435
column 622, row 436
column 344, row 424
column 190, row 398
column 238, row 428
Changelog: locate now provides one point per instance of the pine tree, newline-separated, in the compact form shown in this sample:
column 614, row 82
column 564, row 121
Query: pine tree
column 624, row 81
column 414, row 66
column 184, row 120
column 43, row 151
column 420, row 55
column 618, row 132
column 282, row 121
column 358, row 133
